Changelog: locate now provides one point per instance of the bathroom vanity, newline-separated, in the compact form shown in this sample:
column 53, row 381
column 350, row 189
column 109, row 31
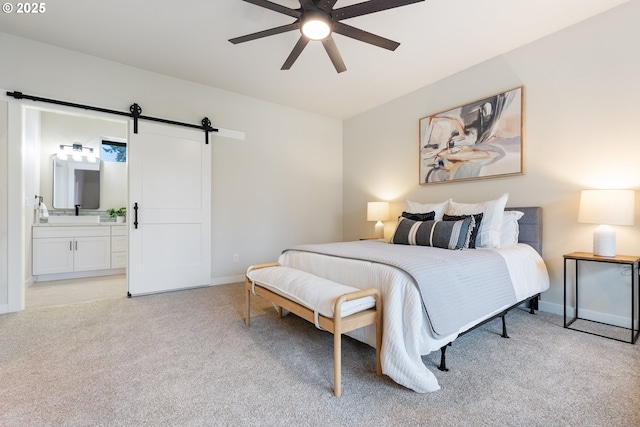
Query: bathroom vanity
column 71, row 251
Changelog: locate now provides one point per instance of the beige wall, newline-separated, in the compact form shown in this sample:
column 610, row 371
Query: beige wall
column 582, row 111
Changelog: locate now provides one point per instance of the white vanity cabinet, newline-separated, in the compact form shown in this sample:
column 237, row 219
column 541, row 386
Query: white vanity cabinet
column 119, row 243
column 71, row 249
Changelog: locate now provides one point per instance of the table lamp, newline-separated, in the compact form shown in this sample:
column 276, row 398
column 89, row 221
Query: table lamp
column 606, row 207
column 378, row 211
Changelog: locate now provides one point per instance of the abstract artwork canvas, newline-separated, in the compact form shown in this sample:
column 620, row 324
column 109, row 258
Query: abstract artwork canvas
column 483, row 139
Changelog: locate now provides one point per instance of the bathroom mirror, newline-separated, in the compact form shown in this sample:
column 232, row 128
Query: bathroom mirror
column 76, row 181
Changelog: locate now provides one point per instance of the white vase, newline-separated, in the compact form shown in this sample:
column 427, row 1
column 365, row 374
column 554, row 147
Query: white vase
column 119, row 219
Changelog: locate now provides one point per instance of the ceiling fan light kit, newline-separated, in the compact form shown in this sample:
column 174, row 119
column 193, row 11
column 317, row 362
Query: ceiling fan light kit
column 317, row 20
column 316, row 25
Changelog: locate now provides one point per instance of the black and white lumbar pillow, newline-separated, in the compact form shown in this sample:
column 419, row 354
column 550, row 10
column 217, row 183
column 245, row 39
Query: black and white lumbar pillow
column 439, row 234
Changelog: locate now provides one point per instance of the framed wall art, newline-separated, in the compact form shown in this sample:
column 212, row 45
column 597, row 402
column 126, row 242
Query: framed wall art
column 482, row 139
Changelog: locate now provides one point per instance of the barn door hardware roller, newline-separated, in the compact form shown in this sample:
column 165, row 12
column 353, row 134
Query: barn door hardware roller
column 135, row 112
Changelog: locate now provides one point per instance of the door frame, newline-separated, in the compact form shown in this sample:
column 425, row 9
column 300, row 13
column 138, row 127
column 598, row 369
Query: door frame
column 17, row 278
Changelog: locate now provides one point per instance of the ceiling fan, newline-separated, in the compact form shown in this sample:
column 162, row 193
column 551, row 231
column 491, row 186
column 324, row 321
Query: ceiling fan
column 317, row 20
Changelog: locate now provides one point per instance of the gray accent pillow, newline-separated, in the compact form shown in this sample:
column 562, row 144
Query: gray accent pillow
column 476, row 227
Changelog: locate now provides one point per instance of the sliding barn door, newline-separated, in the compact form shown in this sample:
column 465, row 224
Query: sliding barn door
column 170, row 184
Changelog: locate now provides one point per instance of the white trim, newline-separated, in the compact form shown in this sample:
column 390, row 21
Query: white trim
column 229, row 133
column 15, row 214
column 597, row 316
column 4, row 206
column 78, row 275
column 226, row 280
column 113, row 139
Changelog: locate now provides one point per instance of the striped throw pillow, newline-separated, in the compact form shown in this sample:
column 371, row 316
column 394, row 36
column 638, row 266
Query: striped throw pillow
column 439, row 234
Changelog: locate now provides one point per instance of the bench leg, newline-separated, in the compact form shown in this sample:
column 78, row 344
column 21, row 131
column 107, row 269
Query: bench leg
column 247, row 318
column 337, row 368
column 378, row 340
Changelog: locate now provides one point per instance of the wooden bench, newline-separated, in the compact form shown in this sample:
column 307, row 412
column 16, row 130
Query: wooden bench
column 319, row 301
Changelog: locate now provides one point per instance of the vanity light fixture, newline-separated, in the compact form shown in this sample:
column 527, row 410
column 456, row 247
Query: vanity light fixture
column 77, row 152
column 75, row 147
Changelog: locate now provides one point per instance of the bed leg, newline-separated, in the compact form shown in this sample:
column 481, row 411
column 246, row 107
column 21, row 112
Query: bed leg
column 443, row 358
column 533, row 304
column 504, row 327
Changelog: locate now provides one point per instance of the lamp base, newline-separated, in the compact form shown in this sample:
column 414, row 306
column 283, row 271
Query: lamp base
column 604, row 241
column 379, row 234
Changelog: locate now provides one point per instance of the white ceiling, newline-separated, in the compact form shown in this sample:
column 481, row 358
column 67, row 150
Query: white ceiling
column 189, row 40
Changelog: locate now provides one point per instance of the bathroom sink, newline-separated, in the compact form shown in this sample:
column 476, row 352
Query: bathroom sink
column 82, row 219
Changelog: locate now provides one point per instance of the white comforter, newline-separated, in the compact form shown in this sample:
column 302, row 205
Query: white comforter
column 406, row 334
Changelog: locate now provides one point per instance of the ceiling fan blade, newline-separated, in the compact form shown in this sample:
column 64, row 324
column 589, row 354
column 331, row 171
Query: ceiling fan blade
column 276, row 7
column 364, row 36
column 368, row 7
column 265, row 33
column 307, row 4
column 295, row 53
column 327, row 5
column 334, row 54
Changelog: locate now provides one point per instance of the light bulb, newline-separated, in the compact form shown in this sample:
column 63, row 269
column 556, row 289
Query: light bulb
column 316, row 30
column 316, row 25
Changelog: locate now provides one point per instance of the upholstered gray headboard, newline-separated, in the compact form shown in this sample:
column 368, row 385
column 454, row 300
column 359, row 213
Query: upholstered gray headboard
column 530, row 227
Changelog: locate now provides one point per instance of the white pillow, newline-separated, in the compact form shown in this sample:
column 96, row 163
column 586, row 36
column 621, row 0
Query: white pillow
column 438, row 208
column 491, row 224
column 510, row 228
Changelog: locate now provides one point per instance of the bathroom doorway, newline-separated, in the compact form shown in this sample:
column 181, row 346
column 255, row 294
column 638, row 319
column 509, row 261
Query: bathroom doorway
column 48, row 133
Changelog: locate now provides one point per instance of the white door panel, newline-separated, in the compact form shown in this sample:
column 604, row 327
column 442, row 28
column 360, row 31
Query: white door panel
column 170, row 180
column 172, row 173
column 185, row 249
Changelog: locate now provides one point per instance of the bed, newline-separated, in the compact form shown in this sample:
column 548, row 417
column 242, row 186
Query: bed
column 417, row 318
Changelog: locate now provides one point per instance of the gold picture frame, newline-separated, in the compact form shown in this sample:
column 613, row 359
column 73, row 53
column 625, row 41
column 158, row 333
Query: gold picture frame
column 482, row 139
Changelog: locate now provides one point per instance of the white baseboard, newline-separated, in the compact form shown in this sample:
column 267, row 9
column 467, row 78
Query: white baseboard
column 610, row 319
column 4, row 309
column 227, row 280
column 78, row 275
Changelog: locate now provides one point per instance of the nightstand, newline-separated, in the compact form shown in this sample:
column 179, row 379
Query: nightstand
column 632, row 261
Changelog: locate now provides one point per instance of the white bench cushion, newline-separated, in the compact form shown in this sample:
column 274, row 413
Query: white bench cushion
column 311, row 291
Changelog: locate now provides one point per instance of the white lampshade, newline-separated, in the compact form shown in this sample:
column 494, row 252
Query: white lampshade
column 606, row 207
column 378, row 211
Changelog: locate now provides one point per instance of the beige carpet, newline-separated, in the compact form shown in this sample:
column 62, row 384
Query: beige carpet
column 186, row 359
